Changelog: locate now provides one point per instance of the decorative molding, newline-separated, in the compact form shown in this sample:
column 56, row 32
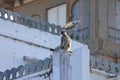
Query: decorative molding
column 43, row 67
column 37, row 24
column 104, row 65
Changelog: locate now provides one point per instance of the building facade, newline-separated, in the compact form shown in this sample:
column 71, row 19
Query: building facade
column 102, row 18
column 99, row 21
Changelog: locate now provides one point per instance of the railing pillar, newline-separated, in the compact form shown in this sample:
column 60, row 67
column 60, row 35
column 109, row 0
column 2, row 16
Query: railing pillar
column 61, row 65
column 74, row 67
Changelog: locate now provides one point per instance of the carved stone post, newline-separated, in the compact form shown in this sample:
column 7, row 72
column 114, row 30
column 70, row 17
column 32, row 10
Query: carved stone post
column 61, row 65
column 74, row 67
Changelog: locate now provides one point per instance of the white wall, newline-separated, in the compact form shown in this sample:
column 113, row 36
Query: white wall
column 80, row 63
column 12, row 51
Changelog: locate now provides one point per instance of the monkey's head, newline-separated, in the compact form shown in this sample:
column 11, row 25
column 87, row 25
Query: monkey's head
column 63, row 32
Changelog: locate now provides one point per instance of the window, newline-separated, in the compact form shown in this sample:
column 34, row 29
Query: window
column 57, row 15
column 114, row 20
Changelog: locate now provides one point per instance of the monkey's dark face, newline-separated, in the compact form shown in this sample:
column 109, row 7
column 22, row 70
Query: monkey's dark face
column 63, row 32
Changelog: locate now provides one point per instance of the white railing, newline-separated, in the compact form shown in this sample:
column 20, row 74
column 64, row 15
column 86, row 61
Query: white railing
column 41, row 68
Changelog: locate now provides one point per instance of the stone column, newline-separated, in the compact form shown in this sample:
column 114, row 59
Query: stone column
column 74, row 67
column 65, row 58
column 61, row 65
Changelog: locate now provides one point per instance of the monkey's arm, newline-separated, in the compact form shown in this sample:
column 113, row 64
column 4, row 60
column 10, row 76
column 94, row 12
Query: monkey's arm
column 63, row 41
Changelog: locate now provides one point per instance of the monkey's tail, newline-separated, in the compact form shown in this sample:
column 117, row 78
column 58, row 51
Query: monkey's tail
column 52, row 49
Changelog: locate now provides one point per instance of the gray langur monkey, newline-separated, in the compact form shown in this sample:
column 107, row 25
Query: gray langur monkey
column 65, row 41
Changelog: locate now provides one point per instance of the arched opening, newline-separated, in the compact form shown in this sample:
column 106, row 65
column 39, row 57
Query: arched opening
column 80, row 13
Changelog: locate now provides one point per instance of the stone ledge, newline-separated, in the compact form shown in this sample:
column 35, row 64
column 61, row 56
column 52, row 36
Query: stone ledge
column 38, row 24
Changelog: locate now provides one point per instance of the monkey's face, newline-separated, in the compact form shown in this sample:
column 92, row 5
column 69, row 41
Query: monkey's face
column 63, row 32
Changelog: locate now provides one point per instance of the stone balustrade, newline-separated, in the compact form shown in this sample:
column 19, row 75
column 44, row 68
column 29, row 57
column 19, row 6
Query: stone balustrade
column 105, row 65
column 28, row 69
column 38, row 24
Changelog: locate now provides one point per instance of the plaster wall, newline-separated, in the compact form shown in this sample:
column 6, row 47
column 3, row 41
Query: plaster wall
column 18, row 40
